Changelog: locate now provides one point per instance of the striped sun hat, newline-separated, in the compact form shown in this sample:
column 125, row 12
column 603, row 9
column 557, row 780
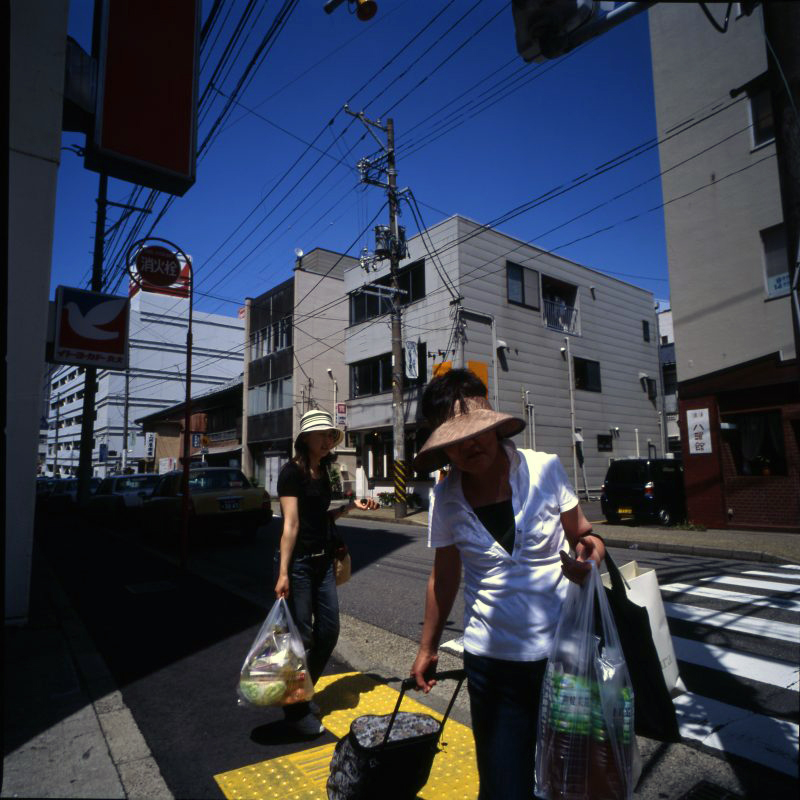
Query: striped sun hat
column 319, row 420
column 476, row 418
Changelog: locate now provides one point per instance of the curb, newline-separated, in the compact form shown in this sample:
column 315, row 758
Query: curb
column 691, row 550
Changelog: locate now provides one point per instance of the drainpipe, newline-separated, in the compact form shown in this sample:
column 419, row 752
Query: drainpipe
column 489, row 318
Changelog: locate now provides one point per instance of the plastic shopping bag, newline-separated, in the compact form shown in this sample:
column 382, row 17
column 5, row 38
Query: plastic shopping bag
column 275, row 671
column 586, row 744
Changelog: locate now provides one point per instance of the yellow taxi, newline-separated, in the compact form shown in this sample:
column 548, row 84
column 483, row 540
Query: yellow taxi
column 221, row 500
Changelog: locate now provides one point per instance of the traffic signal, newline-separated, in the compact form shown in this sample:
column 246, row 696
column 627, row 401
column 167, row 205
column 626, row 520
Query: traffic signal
column 541, row 25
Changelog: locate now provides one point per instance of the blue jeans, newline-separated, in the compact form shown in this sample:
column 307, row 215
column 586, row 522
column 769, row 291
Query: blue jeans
column 504, row 702
column 314, row 606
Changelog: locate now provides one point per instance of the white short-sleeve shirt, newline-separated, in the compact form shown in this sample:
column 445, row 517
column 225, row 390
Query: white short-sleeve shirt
column 512, row 601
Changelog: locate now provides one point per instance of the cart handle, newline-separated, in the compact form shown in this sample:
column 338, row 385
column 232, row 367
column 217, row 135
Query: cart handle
column 411, row 683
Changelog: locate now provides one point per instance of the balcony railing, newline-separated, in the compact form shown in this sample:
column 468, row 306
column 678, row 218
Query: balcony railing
column 558, row 316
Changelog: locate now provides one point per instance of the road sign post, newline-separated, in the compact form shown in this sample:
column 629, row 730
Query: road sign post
column 156, row 262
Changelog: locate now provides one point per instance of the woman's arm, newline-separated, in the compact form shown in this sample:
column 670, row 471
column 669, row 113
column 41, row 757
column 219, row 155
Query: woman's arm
column 443, row 585
column 291, row 525
column 587, row 546
column 367, row 504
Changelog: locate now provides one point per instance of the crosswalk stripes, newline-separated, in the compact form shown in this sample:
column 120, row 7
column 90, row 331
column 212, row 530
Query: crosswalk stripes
column 736, row 637
column 742, row 607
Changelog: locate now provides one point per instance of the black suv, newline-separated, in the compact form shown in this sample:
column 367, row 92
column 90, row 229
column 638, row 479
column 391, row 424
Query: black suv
column 648, row 489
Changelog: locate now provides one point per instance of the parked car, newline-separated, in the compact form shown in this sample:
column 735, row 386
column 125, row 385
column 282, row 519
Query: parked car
column 120, row 493
column 221, row 499
column 63, row 494
column 647, row 489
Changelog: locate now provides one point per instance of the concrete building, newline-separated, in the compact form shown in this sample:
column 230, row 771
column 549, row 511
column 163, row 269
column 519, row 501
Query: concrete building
column 547, row 335
column 155, row 380
column 296, row 361
column 736, row 361
column 215, row 429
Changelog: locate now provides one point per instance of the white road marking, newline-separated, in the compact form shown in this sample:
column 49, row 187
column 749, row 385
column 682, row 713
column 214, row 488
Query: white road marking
column 739, row 623
column 765, row 740
column 789, row 566
column 742, row 598
column 765, row 574
column 765, row 670
column 454, row 645
column 767, row 586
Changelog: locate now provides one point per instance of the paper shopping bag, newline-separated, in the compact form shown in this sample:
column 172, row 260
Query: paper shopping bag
column 642, row 589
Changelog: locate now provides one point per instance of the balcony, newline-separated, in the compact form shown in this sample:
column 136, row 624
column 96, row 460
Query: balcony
column 558, row 316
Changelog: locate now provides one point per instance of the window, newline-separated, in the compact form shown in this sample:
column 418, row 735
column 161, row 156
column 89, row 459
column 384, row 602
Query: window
column 376, row 299
column 276, row 336
column 763, row 128
column 776, row 262
column 522, row 286
column 652, row 388
column 371, row 376
column 756, row 442
column 645, row 330
column 370, row 303
column 587, row 374
column 605, row 443
column 271, row 396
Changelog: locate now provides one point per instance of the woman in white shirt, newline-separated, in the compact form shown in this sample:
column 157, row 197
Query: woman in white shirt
column 507, row 516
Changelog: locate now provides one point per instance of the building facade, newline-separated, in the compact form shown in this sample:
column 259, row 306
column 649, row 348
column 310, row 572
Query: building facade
column 572, row 350
column 154, row 380
column 736, row 360
column 295, row 360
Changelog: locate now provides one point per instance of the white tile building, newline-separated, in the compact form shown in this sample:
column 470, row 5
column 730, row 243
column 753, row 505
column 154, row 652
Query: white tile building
column 531, row 320
column 156, row 380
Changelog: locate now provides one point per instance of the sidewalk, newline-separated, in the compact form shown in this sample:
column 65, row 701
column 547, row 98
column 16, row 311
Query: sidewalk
column 766, row 546
column 67, row 732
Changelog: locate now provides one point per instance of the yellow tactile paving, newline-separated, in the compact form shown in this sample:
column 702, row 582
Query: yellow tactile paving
column 342, row 698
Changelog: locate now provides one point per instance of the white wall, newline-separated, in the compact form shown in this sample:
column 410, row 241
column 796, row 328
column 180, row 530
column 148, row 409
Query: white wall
column 38, row 42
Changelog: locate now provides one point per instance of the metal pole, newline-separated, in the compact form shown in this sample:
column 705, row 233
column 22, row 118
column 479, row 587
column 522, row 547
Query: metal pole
column 58, row 415
column 398, row 416
column 187, row 418
column 247, row 456
column 125, row 422
column 90, row 376
column 572, row 416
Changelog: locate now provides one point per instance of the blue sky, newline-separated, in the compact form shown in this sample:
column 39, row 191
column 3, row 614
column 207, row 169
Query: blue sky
column 551, row 126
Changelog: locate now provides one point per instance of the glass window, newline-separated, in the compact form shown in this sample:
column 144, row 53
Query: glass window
column 605, row 443
column 522, row 285
column 587, row 374
column 756, row 442
column 761, row 117
column 371, row 376
column 776, row 262
column 645, row 330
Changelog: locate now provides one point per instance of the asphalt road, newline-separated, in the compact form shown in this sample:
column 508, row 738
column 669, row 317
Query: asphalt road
column 174, row 642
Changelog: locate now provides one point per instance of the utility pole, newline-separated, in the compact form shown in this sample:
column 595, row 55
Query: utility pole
column 90, row 376
column 396, row 248
column 398, row 416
